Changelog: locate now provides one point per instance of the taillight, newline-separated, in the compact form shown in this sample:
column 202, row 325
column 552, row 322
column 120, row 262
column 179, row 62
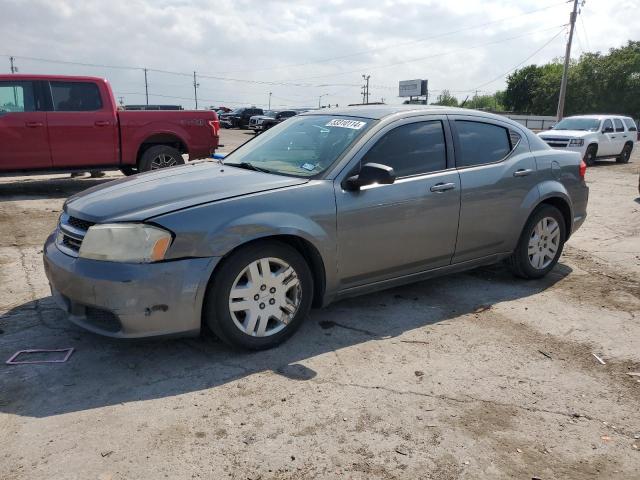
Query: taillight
column 215, row 127
column 583, row 169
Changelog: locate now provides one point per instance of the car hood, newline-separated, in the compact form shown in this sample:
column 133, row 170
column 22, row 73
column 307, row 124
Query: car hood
column 565, row 134
column 147, row 195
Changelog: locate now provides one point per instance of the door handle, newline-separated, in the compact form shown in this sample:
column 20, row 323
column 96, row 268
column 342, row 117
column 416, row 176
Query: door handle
column 102, row 123
column 34, row 124
column 613, row 136
column 523, row 172
column 442, row 187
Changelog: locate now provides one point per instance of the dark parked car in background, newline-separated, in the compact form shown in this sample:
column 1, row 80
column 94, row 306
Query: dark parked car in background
column 260, row 123
column 239, row 118
column 322, row 207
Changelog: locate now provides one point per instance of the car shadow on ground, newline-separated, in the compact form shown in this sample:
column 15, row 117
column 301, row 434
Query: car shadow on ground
column 104, row 371
column 34, row 187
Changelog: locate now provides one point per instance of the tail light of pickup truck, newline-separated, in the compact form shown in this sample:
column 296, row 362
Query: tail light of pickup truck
column 583, row 169
column 215, row 127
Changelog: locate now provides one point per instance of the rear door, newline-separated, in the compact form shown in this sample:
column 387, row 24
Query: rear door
column 387, row 231
column 497, row 174
column 620, row 137
column 82, row 127
column 23, row 134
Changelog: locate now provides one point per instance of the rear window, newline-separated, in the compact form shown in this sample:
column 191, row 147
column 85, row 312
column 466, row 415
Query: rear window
column 75, row 97
column 631, row 125
column 481, row 143
column 618, row 124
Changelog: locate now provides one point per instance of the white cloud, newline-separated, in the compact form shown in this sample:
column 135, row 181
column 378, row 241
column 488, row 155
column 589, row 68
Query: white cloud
column 279, row 41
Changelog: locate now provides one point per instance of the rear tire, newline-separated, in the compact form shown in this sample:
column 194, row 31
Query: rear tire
column 540, row 244
column 590, row 155
column 160, row 156
column 625, row 155
column 266, row 308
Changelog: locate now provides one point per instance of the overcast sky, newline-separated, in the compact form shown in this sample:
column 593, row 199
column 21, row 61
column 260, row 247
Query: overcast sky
column 312, row 47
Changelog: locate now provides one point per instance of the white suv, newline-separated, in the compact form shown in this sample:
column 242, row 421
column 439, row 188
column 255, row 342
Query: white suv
column 594, row 136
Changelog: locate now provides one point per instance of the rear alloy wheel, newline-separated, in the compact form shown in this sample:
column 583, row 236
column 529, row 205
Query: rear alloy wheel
column 590, row 155
column 540, row 244
column 160, row 156
column 625, row 155
column 259, row 296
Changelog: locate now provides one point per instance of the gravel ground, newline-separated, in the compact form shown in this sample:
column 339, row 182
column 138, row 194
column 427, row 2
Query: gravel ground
column 475, row 375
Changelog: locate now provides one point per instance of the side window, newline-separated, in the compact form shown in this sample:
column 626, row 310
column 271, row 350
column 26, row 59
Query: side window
column 482, row 143
column 17, row 97
column 631, row 125
column 618, row 124
column 607, row 124
column 411, row 149
column 75, row 97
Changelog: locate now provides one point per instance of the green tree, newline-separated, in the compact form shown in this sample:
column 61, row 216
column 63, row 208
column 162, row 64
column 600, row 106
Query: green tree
column 446, row 99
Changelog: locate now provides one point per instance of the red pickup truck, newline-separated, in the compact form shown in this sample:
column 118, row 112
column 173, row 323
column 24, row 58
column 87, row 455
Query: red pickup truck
column 61, row 123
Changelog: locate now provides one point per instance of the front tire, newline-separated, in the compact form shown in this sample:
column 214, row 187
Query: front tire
column 590, row 155
column 540, row 244
column 625, row 155
column 259, row 296
column 160, row 156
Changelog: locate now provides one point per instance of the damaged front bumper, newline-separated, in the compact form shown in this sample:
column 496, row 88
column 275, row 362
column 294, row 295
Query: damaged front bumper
column 127, row 300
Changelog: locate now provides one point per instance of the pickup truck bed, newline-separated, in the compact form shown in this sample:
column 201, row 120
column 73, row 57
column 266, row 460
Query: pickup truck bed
column 60, row 123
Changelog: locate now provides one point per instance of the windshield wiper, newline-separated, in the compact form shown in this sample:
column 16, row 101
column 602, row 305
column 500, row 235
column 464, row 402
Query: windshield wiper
column 249, row 166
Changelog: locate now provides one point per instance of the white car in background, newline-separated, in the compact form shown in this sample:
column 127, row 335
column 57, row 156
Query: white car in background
column 595, row 137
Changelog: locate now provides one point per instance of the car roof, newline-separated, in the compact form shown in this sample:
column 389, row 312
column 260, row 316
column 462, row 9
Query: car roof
column 68, row 78
column 598, row 116
column 378, row 112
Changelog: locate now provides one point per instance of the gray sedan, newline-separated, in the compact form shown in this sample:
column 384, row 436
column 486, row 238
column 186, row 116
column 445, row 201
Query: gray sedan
column 321, row 207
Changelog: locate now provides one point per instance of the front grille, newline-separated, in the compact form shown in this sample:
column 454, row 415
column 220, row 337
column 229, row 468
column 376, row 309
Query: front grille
column 79, row 223
column 71, row 232
column 556, row 142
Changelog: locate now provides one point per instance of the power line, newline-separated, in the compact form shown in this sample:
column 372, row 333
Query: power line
column 476, row 46
column 412, row 42
column 522, row 62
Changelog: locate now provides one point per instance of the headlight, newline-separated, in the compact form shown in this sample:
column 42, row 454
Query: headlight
column 576, row 142
column 125, row 242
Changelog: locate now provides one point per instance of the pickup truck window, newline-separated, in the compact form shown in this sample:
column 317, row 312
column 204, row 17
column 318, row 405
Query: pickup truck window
column 618, row 124
column 17, row 97
column 75, row 97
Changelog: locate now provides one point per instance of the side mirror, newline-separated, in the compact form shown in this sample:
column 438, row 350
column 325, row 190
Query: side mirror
column 370, row 173
column 607, row 130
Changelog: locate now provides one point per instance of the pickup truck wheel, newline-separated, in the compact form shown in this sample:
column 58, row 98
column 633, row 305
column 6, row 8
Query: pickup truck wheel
column 590, row 155
column 540, row 244
column 160, row 156
column 625, row 155
column 259, row 296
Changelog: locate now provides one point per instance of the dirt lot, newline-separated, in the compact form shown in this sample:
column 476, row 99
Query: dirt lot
column 475, row 375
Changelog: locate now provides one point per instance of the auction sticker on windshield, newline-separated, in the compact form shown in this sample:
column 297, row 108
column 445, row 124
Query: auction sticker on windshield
column 339, row 122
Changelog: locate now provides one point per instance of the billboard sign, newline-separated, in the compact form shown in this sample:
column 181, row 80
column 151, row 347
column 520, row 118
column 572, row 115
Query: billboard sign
column 413, row 88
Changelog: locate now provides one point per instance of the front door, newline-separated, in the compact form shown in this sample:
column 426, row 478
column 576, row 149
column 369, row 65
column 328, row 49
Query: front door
column 498, row 175
column 83, row 129
column 607, row 144
column 386, row 231
column 23, row 128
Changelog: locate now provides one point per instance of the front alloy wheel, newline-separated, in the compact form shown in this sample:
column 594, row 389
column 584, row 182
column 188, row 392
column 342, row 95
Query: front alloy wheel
column 265, row 297
column 259, row 295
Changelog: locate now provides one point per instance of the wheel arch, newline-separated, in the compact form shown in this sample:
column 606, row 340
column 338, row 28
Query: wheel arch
column 303, row 246
column 161, row 138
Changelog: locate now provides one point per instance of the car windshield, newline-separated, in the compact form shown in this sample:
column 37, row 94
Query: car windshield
column 237, row 111
column 303, row 146
column 586, row 124
column 270, row 113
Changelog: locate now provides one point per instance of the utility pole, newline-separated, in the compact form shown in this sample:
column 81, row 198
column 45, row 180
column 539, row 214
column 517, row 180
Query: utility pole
column 14, row 69
column 567, row 59
column 146, row 86
column 195, row 89
column 320, row 99
column 365, row 89
column 269, row 101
